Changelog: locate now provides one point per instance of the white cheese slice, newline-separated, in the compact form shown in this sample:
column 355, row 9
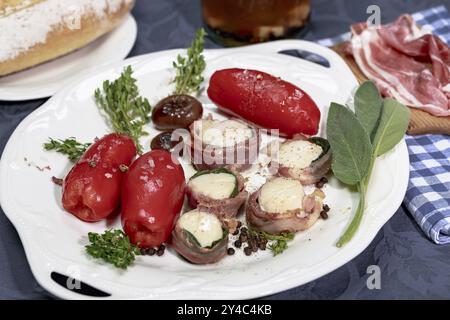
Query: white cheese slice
column 280, row 195
column 225, row 133
column 204, row 226
column 298, row 153
column 214, row 185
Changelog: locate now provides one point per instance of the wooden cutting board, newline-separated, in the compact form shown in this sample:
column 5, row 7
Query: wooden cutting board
column 421, row 122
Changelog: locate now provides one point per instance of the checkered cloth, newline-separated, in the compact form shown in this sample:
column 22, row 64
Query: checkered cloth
column 428, row 193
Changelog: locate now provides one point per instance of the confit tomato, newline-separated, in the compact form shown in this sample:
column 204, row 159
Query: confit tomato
column 152, row 197
column 91, row 190
column 265, row 101
column 114, row 149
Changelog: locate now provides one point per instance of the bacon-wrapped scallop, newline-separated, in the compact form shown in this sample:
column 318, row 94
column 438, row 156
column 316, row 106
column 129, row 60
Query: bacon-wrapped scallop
column 281, row 205
column 220, row 191
column 200, row 237
column 306, row 160
column 228, row 143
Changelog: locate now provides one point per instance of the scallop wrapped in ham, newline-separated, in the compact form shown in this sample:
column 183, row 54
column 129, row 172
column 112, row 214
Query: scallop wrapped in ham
column 229, row 143
column 306, row 160
column 219, row 191
column 281, row 205
column 200, row 237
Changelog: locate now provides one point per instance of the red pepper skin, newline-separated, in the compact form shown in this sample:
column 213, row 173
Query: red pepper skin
column 91, row 190
column 265, row 101
column 114, row 149
column 91, row 194
column 152, row 197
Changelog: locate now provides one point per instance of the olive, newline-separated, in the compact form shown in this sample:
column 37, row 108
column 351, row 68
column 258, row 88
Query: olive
column 176, row 112
column 163, row 141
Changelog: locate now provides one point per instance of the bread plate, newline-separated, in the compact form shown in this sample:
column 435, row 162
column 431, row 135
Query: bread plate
column 54, row 240
column 46, row 79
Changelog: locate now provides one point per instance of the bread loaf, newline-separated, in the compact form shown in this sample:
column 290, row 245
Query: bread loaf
column 36, row 31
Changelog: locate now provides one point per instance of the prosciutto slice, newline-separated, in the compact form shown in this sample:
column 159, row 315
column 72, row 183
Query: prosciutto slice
column 225, row 208
column 193, row 252
column 311, row 174
column 404, row 64
column 239, row 157
column 290, row 221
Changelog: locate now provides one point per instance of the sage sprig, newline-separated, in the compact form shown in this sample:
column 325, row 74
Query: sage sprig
column 358, row 138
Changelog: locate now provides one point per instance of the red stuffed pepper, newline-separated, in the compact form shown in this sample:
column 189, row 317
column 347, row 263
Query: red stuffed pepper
column 91, row 190
column 152, row 197
column 265, row 101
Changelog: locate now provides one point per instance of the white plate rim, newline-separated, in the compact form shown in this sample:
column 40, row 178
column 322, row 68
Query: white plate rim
column 24, row 93
column 350, row 251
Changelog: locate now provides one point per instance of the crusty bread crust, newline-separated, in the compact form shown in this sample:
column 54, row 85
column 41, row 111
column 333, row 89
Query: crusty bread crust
column 64, row 40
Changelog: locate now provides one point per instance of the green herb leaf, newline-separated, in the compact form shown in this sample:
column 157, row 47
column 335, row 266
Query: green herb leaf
column 194, row 240
column 279, row 243
column 113, row 246
column 388, row 127
column 357, row 218
column 224, row 235
column 69, row 147
column 368, row 105
column 189, row 69
column 126, row 110
column 350, row 145
column 235, row 191
column 277, row 247
column 393, row 124
column 323, row 143
column 217, row 170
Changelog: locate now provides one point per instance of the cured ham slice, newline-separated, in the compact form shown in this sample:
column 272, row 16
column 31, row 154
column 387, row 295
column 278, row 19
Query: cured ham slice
column 287, row 209
column 229, row 143
column 199, row 237
column 404, row 64
column 306, row 160
column 224, row 207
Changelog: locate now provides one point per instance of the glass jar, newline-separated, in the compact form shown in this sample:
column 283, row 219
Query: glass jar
column 240, row 22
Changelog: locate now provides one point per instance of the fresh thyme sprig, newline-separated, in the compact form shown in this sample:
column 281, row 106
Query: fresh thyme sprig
column 127, row 111
column 113, row 246
column 189, row 70
column 69, row 147
column 278, row 243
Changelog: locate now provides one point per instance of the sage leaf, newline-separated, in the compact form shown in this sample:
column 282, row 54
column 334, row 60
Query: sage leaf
column 368, row 106
column 350, row 135
column 392, row 127
column 350, row 145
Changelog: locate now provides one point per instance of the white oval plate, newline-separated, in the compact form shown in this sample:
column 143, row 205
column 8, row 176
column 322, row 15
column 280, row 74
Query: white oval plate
column 54, row 240
column 46, row 79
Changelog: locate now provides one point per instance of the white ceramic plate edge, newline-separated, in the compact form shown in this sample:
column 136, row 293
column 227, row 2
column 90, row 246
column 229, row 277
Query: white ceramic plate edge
column 352, row 250
column 359, row 243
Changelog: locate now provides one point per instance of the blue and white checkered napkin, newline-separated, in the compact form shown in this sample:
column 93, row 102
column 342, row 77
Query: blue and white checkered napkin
column 428, row 193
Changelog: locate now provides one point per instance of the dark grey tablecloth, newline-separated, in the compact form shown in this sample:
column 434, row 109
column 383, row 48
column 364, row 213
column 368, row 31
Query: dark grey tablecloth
column 411, row 266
